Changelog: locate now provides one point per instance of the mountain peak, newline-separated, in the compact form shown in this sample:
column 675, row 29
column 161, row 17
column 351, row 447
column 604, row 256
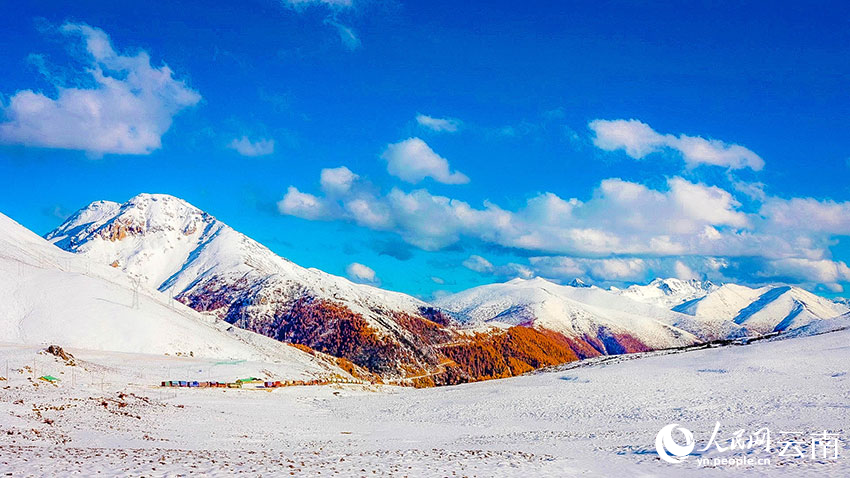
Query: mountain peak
column 578, row 283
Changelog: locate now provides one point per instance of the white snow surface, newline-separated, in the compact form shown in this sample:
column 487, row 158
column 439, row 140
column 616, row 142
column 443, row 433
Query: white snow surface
column 597, row 418
column 49, row 296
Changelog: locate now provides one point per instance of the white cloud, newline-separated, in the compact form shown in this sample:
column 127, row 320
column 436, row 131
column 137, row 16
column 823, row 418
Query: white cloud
column 413, row 160
column 638, row 140
column 347, row 36
column 126, row 110
column 601, row 270
column 823, row 271
column 296, row 203
column 682, row 271
column 360, row 273
column 247, row 147
column 337, row 180
column 478, row 264
column 449, row 125
column 369, row 212
column 483, row 266
column 621, row 218
column 808, row 214
column 623, row 231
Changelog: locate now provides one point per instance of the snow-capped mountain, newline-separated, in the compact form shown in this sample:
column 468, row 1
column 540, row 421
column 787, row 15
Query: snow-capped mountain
column 49, row 296
column 608, row 322
column 668, row 293
column 764, row 310
column 578, row 283
column 190, row 255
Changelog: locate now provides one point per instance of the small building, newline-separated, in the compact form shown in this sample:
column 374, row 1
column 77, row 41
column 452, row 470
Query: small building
column 252, row 384
column 49, row 378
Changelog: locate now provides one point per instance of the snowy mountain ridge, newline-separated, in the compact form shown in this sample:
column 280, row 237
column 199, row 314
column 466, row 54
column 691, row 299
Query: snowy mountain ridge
column 669, row 292
column 582, row 312
column 49, row 296
column 175, row 247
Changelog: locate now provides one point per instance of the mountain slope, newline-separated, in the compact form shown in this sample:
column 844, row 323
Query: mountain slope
column 185, row 252
column 50, row 296
column 763, row 310
column 785, row 308
column 723, row 303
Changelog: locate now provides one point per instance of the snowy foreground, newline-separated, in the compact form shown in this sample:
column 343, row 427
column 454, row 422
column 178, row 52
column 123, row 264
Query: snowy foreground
column 597, row 419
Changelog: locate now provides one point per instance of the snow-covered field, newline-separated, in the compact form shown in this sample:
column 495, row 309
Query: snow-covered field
column 597, row 418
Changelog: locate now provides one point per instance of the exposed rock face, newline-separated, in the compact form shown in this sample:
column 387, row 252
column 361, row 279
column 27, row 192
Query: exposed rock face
column 60, row 352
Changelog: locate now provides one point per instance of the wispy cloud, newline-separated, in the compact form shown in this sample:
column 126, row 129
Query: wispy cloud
column 128, row 108
column 349, row 38
column 483, row 266
column 248, row 147
column 449, row 125
column 347, row 35
column 328, row 3
column 638, row 140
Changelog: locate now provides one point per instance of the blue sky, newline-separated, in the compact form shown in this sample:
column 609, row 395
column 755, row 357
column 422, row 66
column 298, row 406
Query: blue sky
column 613, row 141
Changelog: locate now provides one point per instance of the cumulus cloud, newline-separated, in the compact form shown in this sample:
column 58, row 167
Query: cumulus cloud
column 337, row 180
column 247, row 147
column 127, row 108
column 621, row 218
column 412, row 160
column 638, row 140
column 449, row 125
column 360, row 273
column 304, row 205
column 622, row 231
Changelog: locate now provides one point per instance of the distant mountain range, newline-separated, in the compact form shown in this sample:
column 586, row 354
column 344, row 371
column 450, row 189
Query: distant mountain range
column 490, row 331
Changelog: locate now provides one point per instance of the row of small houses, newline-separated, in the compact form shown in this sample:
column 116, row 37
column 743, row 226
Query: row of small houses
column 252, row 383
